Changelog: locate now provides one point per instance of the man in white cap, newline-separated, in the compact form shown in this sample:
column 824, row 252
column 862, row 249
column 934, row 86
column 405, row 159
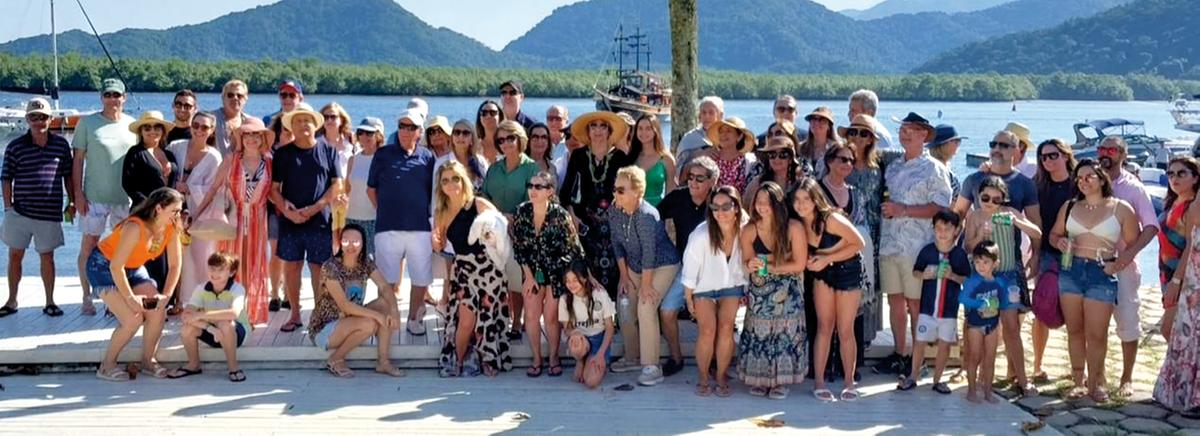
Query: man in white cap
column 400, row 184
column 306, row 178
column 37, row 168
column 712, row 109
column 1024, row 162
column 101, row 141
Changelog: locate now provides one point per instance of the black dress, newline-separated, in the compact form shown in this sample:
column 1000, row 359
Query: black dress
column 141, row 174
column 588, row 191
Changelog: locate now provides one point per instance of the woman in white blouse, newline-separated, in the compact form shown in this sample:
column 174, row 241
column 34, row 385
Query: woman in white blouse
column 197, row 162
column 713, row 279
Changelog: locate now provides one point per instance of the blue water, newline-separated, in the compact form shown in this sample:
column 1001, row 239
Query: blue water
column 978, row 121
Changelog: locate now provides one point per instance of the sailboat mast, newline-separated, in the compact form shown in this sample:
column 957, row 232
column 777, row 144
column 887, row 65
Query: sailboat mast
column 54, row 48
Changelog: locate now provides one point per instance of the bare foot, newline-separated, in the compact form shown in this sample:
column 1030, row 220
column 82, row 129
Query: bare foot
column 990, row 398
column 972, row 397
column 579, row 372
column 88, row 308
column 1126, row 390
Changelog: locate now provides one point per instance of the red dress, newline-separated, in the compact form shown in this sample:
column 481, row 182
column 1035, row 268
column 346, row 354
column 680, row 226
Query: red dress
column 249, row 192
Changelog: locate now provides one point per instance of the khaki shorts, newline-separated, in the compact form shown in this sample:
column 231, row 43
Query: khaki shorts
column 896, row 277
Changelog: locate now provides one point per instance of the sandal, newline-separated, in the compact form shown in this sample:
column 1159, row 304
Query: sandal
column 906, row 385
column 6, row 311
column 941, row 388
column 183, row 371
column 154, row 370
column 237, row 376
column 555, row 371
column 1041, row 377
column 849, row 394
column 823, row 394
column 534, row 371
column 114, row 374
column 758, row 391
column 1125, row 390
column 339, row 369
column 391, row 371
column 778, row 393
column 291, row 326
column 1099, row 396
column 1028, row 390
column 703, row 389
column 1077, row 393
column 490, row 371
column 52, row 310
column 724, row 391
column 88, row 309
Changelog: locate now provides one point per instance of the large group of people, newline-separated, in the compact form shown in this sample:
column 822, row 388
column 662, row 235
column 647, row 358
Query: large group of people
column 579, row 230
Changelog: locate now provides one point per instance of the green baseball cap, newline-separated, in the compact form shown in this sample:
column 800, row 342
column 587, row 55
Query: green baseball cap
column 112, row 85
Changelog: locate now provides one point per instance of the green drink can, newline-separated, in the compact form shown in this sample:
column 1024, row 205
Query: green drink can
column 762, row 270
column 1067, row 256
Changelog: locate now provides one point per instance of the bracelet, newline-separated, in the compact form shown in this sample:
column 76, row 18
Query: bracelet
column 1176, row 281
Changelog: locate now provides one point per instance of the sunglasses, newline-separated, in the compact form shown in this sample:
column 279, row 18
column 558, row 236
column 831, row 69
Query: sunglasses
column 152, row 127
column 462, row 132
column 785, row 109
column 410, row 127
column 554, row 118
column 620, row 190
column 509, row 92
column 1178, row 174
column 111, row 95
column 182, row 105
column 538, row 186
column 861, row 133
column 232, row 95
column 698, row 178
column 784, row 154
column 449, row 180
column 288, row 95
column 997, row 200
column 506, row 139
column 489, row 112
column 330, row 117
column 996, row 144
column 1107, row 151
column 349, row 243
column 777, row 133
column 597, row 125
column 843, row 159
column 721, row 207
column 433, row 131
column 37, row 117
column 1054, row 155
column 363, row 132
column 201, row 127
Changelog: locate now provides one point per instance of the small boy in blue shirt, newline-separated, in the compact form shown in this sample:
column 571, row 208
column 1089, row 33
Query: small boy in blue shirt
column 942, row 266
column 984, row 295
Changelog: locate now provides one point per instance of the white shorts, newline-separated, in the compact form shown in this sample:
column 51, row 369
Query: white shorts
column 102, row 217
column 1129, row 321
column 393, row 249
column 930, row 329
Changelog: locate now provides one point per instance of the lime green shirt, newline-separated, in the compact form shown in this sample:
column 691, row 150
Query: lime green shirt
column 205, row 300
column 106, row 142
column 507, row 189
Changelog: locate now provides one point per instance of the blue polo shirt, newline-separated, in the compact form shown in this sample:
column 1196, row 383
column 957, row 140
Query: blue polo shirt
column 403, row 183
column 37, row 175
column 304, row 176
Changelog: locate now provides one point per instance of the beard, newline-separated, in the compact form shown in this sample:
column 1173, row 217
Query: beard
column 1107, row 162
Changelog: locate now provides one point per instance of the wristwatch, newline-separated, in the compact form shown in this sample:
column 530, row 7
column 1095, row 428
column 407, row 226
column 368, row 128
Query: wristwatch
column 1176, row 281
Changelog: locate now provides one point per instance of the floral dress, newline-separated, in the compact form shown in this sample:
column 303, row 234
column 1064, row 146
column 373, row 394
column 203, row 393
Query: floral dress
column 250, row 192
column 772, row 350
column 548, row 253
column 1178, row 385
column 588, row 190
column 733, row 172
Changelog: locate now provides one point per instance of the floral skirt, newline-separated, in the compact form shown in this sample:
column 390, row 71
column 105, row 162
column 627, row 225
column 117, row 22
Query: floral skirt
column 1178, row 385
column 772, row 349
column 479, row 286
column 602, row 262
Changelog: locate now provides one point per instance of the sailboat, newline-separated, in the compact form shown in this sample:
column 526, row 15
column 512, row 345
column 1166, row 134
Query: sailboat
column 63, row 121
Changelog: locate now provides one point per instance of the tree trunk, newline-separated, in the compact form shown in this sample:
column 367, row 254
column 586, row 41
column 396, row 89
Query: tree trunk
column 684, row 66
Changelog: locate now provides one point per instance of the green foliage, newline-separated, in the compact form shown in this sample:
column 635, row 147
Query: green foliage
column 85, row 74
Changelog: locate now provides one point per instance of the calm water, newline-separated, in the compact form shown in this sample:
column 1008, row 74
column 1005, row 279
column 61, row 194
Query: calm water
column 978, row 121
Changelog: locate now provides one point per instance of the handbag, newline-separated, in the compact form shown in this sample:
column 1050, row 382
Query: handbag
column 1045, row 298
column 214, row 225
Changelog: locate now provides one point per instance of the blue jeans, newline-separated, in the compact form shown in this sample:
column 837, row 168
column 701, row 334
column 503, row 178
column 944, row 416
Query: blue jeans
column 100, row 276
column 594, row 343
column 1087, row 279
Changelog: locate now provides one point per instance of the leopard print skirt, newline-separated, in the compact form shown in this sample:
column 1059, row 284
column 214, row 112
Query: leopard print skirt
column 478, row 286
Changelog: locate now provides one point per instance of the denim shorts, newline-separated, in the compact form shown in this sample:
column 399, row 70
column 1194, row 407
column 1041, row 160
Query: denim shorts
column 208, row 339
column 100, row 276
column 311, row 244
column 674, row 300
column 734, row 292
column 594, row 343
column 1087, row 279
column 1021, row 301
column 321, row 339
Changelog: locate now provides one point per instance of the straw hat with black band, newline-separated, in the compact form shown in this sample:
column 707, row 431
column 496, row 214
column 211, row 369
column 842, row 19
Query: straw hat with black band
column 862, row 121
column 150, row 118
column 579, row 127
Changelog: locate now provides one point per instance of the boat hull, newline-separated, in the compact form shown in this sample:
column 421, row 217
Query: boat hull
column 635, row 108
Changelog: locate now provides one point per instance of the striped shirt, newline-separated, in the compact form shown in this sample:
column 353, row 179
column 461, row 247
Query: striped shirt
column 37, row 176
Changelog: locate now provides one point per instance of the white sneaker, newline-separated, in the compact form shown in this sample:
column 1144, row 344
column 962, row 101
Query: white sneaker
column 651, row 375
column 622, row 365
column 416, row 328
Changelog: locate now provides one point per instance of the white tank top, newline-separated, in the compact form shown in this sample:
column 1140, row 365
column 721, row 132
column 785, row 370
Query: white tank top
column 360, row 206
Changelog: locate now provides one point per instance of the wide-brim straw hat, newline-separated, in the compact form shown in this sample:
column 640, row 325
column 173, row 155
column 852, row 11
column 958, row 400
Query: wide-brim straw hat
column 863, row 121
column 714, row 133
column 150, row 118
column 254, row 125
column 1022, row 133
column 302, row 109
column 440, row 122
column 579, row 127
column 822, row 112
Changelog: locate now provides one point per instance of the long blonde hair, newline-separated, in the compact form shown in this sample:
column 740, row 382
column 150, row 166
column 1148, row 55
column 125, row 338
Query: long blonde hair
column 441, row 200
column 345, row 130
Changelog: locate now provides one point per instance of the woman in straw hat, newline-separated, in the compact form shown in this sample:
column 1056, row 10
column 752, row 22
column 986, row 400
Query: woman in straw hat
column 821, row 136
column 587, row 189
column 731, row 142
column 147, row 167
column 246, row 175
column 779, row 165
column 198, row 163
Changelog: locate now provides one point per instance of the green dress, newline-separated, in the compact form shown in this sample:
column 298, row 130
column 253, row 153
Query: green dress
column 656, row 183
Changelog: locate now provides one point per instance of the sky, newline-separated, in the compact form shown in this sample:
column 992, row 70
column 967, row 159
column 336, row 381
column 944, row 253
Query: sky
column 479, row 19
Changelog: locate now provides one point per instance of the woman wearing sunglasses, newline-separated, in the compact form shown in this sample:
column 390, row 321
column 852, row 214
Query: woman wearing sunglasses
column 545, row 243
column 1055, row 188
column 505, row 187
column 465, row 149
column 779, row 165
column 197, row 162
column 487, row 119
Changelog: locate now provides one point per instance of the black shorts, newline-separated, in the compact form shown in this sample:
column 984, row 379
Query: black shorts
column 846, row 275
column 207, row 337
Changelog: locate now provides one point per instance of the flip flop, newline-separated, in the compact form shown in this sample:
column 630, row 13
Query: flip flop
column 778, row 393
column 182, row 372
column 291, row 327
column 237, row 376
column 849, row 394
column 1077, row 393
column 88, row 310
column 703, row 389
column 156, row 371
column 52, row 310
column 114, row 374
column 534, row 371
column 724, row 391
column 6, row 311
column 555, row 371
column 391, row 371
column 941, row 388
column 759, row 391
column 906, row 384
column 823, row 394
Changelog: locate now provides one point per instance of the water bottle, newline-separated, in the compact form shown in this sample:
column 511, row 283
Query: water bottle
column 623, row 305
column 1014, row 294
